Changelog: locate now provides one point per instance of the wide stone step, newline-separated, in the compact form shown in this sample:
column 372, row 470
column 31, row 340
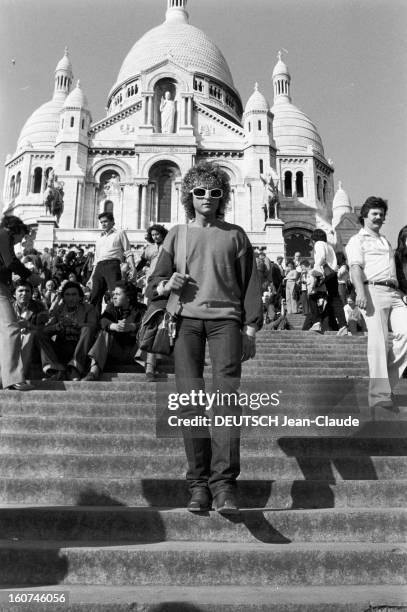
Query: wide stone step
column 124, row 395
column 127, row 436
column 47, row 417
column 172, row 492
column 141, row 386
column 282, row 360
column 126, row 406
column 384, row 426
column 99, row 598
column 170, row 563
column 123, row 436
column 161, row 466
column 141, row 525
column 290, row 383
column 301, row 335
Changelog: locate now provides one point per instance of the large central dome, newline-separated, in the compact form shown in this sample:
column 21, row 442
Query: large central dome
column 181, row 42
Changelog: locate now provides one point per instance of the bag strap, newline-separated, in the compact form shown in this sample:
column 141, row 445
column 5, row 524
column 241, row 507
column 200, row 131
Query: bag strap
column 174, row 301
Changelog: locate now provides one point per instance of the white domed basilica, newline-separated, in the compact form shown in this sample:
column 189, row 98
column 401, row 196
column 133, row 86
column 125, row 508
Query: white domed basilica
column 174, row 103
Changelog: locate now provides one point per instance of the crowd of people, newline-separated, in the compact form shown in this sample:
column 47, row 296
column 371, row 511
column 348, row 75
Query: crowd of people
column 71, row 311
column 319, row 288
column 75, row 298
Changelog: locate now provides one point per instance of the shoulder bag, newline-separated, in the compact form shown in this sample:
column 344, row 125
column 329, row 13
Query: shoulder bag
column 158, row 328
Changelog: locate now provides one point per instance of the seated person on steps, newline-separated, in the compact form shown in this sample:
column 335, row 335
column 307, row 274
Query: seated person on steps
column 120, row 323
column 31, row 317
column 74, row 325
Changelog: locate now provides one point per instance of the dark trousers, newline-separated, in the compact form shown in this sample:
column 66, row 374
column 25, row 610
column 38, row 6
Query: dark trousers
column 108, row 346
column 305, row 302
column 334, row 300
column 106, row 274
column 343, row 292
column 213, row 455
column 334, row 316
column 69, row 352
column 356, row 327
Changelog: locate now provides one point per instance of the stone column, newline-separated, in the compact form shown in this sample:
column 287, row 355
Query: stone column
column 137, row 205
column 189, row 114
column 175, row 215
column 149, row 110
column 121, row 200
column 144, row 206
column 43, row 181
column 94, row 221
column 185, row 125
column 153, row 207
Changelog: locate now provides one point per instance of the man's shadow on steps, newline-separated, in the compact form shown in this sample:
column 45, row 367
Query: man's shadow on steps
column 351, row 458
column 97, row 520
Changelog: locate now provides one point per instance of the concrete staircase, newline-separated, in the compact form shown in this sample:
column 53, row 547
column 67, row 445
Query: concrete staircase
column 296, row 321
column 93, row 504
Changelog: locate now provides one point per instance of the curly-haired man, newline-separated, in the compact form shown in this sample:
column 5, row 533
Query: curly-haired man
column 221, row 304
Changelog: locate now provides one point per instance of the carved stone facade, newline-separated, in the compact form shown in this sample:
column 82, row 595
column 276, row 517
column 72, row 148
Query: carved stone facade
column 125, row 163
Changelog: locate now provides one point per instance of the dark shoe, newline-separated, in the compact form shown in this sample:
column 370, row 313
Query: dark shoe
column 92, row 375
column 22, row 386
column 73, row 374
column 225, row 502
column 54, row 375
column 200, row 500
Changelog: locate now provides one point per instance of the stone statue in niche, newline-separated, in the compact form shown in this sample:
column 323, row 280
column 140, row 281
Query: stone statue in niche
column 167, row 109
column 271, row 200
column 112, row 186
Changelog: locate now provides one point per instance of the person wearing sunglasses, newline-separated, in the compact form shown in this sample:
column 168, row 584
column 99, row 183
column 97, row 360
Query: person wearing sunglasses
column 221, row 305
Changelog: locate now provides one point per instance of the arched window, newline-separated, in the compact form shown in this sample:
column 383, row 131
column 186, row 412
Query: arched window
column 68, row 163
column 325, row 192
column 299, row 184
column 319, row 188
column 288, row 184
column 18, row 183
column 83, row 123
column 12, row 186
column 259, row 125
column 250, row 126
column 37, row 180
column 108, row 207
column 261, row 166
column 72, row 122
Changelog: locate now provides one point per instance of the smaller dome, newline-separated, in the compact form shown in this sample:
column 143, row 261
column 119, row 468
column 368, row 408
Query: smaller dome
column 280, row 67
column 76, row 98
column 41, row 128
column 293, row 131
column 341, row 198
column 65, row 62
column 257, row 102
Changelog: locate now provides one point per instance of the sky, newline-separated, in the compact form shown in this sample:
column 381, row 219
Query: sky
column 347, row 59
